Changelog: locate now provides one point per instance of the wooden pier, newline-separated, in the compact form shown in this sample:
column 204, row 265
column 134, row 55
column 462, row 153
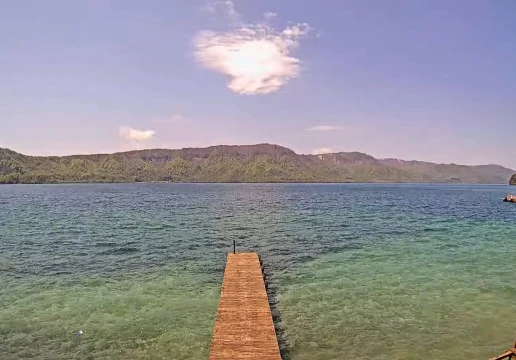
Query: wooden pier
column 508, row 355
column 244, row 328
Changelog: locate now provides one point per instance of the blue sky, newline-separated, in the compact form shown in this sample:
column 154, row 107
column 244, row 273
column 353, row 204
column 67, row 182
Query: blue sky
column 428, row 80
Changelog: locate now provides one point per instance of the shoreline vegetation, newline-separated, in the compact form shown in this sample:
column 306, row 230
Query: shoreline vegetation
column 512, row 181
column 262, row 163
column 243, row 183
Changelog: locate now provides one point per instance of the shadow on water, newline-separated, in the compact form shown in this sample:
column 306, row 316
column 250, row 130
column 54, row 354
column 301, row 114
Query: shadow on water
column 272, row 294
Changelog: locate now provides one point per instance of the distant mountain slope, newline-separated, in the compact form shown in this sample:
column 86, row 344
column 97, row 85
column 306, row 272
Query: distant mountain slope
column 248, row 163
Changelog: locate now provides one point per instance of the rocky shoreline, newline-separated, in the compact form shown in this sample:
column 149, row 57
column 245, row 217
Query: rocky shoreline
column 510, row 198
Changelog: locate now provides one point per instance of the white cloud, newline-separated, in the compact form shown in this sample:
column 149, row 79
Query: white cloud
column 227, row 7
column 257, row 57
column 270, row 15
column 323, row 150
column 129, row 133
column 325, row 128
column 230, row 9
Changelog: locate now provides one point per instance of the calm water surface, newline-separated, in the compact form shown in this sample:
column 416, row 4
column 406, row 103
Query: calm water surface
column 397, row 271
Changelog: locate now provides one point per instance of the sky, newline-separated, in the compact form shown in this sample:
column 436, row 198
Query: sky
column 427, row 80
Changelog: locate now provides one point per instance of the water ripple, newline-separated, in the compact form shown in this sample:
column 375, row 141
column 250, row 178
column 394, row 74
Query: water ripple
column 413, row 263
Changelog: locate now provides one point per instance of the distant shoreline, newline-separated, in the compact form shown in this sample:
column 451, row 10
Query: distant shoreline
column 257, row 182
column 261, row 163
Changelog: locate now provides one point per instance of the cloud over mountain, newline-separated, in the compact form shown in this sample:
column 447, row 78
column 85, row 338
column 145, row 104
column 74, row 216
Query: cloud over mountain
column 256, row 57
column 129, row 133
column 320, row 128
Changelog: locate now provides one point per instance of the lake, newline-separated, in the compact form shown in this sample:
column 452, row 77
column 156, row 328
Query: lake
column 397, row 271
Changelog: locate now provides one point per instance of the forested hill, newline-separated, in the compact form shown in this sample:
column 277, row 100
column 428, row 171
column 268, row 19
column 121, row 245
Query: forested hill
column 249, row 163
column 513, row 180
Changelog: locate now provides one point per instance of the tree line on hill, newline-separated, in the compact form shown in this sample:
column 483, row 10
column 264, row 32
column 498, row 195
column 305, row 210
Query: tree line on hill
column 248, row 163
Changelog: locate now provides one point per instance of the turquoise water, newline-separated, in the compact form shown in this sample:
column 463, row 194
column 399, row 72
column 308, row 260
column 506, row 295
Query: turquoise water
column 397, row 271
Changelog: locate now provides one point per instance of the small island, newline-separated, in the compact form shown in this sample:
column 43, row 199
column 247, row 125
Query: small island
column 512, row 181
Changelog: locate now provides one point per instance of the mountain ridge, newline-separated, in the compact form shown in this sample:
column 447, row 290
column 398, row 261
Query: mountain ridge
column 236, row 163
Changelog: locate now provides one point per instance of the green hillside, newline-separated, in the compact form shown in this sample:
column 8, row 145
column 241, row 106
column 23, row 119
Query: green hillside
column 512, row 181
column 249, row 163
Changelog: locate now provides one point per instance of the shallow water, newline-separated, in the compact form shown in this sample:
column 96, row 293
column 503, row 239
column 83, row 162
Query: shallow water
column 402, row 271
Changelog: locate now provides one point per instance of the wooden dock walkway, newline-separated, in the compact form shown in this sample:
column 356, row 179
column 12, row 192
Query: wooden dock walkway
column 508, row 355
column 244, row 328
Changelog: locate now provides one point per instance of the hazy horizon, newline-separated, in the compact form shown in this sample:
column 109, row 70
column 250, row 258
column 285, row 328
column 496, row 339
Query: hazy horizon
column 430, row 81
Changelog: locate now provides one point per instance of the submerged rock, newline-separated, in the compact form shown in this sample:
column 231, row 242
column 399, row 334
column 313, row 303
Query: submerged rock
column 510, row 198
